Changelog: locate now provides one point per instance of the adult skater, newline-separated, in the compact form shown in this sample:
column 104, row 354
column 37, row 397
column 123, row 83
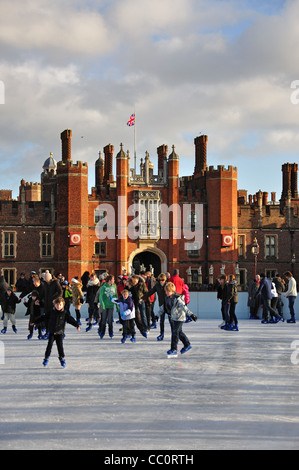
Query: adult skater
column 107, row 291
column 266, row 296
column 34, row 312
column 159, row 289
column 233, row 299
column 291, row 295
column 91, row 289
column 52, row 290
column 77, row 297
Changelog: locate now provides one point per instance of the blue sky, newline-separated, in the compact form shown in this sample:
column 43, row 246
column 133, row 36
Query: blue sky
column 219, row 67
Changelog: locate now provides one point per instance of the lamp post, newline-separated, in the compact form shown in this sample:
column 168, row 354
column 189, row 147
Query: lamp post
column 255, row 249
column 293, row 261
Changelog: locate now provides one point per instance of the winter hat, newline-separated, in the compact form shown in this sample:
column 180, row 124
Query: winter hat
column 34, row 293
column 9, row 288
column 74, row 281
column 47, row 276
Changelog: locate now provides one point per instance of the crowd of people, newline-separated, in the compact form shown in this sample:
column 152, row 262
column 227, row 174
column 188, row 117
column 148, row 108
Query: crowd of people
column 263, row 292
column 48, row 300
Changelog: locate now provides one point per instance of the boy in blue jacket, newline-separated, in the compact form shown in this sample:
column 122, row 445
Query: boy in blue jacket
column 127, row 314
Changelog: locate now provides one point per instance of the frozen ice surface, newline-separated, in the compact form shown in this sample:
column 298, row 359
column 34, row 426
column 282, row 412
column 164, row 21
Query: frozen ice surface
column 231, row 391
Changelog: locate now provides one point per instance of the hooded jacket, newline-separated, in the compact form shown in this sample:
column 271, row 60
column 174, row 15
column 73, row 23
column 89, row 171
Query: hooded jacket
column 91, row 290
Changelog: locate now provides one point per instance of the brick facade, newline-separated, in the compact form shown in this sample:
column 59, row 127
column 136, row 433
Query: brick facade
column 55, row 224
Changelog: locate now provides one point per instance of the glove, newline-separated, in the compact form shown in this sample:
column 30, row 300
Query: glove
column 194, row 317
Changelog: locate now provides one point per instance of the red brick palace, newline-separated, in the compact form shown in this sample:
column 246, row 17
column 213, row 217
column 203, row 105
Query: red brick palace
column 54, row 224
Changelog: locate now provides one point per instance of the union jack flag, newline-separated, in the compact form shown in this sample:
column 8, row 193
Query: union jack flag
column 131, row 121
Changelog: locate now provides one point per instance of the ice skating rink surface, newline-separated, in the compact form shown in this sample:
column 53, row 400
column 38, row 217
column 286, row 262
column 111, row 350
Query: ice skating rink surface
column 233, row 390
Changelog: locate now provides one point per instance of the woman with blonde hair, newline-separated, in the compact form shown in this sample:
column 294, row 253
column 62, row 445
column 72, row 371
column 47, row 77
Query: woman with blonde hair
column 78, row 297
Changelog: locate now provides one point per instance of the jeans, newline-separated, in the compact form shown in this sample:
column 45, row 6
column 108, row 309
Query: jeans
column 268, row 309
column 142, row 311
column 178, row 334
column 292, row 299
column 107, row 317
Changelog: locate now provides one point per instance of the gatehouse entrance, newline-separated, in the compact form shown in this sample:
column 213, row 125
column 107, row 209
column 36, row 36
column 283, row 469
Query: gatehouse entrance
column 145, row 260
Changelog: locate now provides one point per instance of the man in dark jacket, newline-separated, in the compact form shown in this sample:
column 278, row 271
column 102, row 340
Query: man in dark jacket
column 138, row 289
column 159, row 289
column 266, row 296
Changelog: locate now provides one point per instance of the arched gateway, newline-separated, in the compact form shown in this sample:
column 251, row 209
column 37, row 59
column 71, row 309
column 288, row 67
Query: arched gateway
column 146, row 257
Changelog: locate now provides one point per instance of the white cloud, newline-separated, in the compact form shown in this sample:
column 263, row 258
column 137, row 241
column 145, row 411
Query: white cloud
column 189, row 66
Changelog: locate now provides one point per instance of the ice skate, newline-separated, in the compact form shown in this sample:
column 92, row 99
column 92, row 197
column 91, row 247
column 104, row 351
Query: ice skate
column 14, row 329
column 172, row 353
column 45, row 361
column 4, row 330
column 62, row 361
column 160, row 337
column 185, row 349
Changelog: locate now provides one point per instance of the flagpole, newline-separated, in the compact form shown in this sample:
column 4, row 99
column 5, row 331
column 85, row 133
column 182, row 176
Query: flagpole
column 135, row 163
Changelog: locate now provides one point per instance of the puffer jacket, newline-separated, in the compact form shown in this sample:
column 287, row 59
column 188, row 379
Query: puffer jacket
column 179, row 310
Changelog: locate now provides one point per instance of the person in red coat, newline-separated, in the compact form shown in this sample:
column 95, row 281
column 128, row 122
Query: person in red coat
column 177, row 281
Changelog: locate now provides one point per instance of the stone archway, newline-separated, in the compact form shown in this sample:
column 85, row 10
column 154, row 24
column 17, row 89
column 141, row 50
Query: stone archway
column 149, row 255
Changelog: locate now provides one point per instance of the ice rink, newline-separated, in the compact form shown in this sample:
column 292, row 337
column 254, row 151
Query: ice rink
column 231, row 391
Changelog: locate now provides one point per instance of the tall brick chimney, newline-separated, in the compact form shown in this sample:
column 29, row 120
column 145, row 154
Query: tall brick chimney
column 66, row 143
column 162, row 155
column 289, row 180
column 200, row 153
column 108, row 174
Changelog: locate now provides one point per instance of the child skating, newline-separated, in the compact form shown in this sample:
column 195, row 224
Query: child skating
column 127, row 314
column 10, row 300
column 177, row 310
column 58, row 318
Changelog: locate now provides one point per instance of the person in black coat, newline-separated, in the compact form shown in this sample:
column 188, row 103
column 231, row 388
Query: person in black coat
column 34, row 312
column 3, row 288
column 159, row 288
column 53, row 290
column 10, row 301
column 266, row 296
column 56, row 326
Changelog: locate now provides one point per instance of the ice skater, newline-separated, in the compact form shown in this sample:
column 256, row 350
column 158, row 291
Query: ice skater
column 58, row 318
column 127, row 314
column 177, row 310
column 34, row 312
column 10, row 300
